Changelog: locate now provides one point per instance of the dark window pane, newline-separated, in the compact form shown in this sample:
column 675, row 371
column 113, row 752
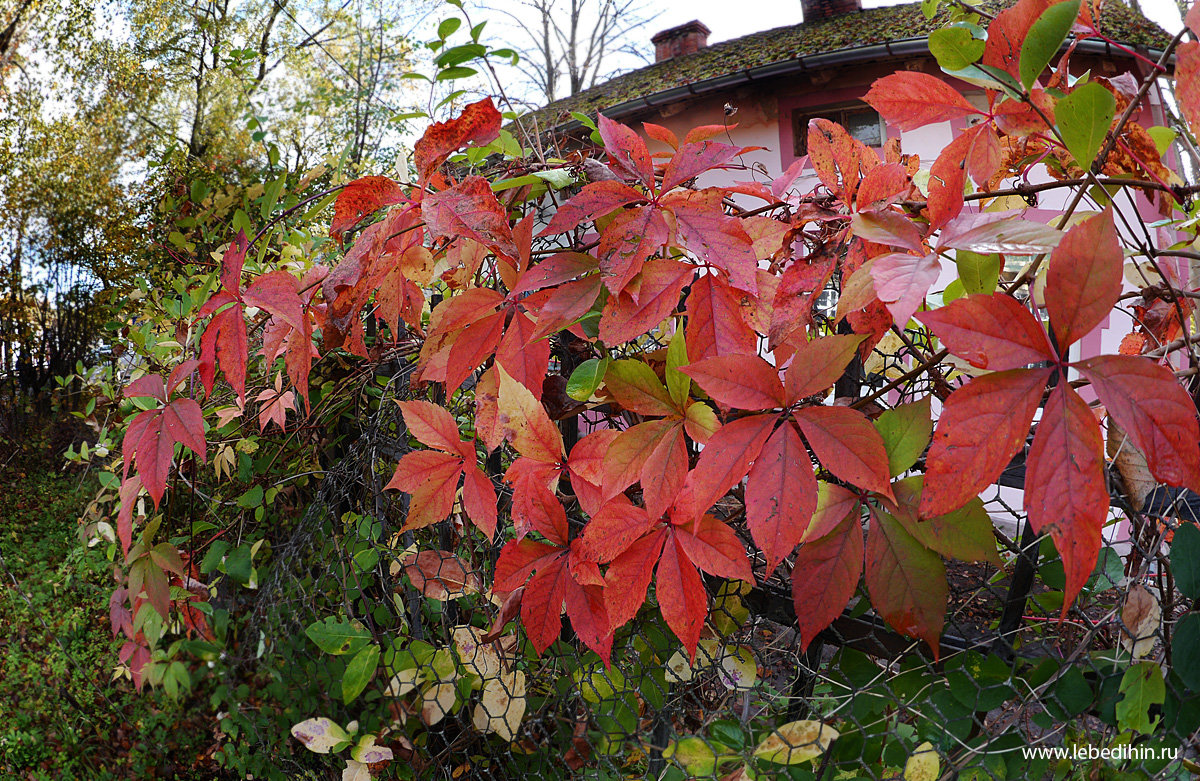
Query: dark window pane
column 864, row 125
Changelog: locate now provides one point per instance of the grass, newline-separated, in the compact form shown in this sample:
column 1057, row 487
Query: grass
column 62, row 716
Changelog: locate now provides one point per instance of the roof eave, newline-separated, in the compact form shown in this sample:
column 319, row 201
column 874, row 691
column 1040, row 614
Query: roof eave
column 893, row 49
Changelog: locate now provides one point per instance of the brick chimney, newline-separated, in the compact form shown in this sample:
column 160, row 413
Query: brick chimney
column 677, row 41
column 819, row 10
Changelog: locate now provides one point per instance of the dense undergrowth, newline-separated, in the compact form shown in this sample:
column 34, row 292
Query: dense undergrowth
column 65, row 716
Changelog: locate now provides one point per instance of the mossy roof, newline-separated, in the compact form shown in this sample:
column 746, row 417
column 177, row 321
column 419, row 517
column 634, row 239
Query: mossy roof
column 843, row 33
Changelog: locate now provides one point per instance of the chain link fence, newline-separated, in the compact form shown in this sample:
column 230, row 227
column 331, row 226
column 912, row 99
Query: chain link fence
column 1016, row 690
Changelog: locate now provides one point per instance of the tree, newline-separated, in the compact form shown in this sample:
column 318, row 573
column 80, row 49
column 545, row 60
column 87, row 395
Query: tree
column 571, row 45
column 718, row 460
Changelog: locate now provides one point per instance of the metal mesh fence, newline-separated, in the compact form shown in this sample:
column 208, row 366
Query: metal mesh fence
column 1016, row 691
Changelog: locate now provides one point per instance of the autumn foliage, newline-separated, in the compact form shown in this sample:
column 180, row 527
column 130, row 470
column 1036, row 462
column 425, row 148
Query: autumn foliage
column 712, row 444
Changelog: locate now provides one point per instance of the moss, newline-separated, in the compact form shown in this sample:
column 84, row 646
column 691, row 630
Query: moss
column 866, row 28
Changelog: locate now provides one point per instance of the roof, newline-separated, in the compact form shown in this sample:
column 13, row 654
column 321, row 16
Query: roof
column 862, row 32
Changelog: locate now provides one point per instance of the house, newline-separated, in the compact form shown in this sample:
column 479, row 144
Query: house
column 768, row 85
column 777, row 79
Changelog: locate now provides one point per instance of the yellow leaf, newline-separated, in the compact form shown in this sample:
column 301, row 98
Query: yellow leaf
column 436, row 702
column 923, row 765
column 502, row 705
column 796, row 742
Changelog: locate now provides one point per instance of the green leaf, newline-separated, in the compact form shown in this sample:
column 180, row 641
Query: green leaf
column 1143, row 686
column 336, row 636
column 359, row 673
column 1044, row 38
column 679, row 385
column 584, row 120
column 459, row 72
column 586, row 378
column 905, row 431
column 1185, row 650
column 456, row 55
column 447, row 27
column 1083, row 118
column 1163, row 138
column 252, row 498
column 979, row 273
column 1185, row 560
column 239, row 566
column 956, row 47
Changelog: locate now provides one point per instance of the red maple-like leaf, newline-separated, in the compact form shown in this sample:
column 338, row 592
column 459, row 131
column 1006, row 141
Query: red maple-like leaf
column 360, row 199
column 478, row 124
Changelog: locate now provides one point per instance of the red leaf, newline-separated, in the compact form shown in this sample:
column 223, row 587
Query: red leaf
column 661, row 134
column 434, row 427
column 947, row 178
column 588, row 456
column 589, row 618
column 524, row 357
column 834, row 503
column 637, row 388
column 715, row 325
column 630, row 450
column 470, row 209
column 525, row 423
column 478, row 124
column 882, row 186
column 664, row 471
column 906, row 581
column 1157, row 414
column 130, row 487
column 713, row 236
column 625, row 243
column 791, row 312
column 625, row 317
column 150, row 385
column 594, row 200
column 1187, row 80
column 839, row 160
column 910, row 99
column 431, row 480
column 476, row 344
column 479, row 500
column 627, row 151
column 739, row 381
column 848, row 445
column 1065, row 490
column 517, row 559
column 824, row 577
column 887, row 227
column 629, row 576
column 565, row 305
column 611, row 531
column 725, row 460
column 681, row 595
column 276, row 293
column 902, row 281
column 992, row 332
column 714, row 547
column 556, row 269
column 150, row 442
column 542, row 603
column 360, row 199
column 224, row 340
column 694, row 159
column 1006, row 35
column 1084, row 279
column 231, row 264
column 818, row 364
column 781, row 495
column 537, row 507
column 982, row 426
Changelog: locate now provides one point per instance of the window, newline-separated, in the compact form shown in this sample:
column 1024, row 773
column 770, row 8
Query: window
column 862, row 122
